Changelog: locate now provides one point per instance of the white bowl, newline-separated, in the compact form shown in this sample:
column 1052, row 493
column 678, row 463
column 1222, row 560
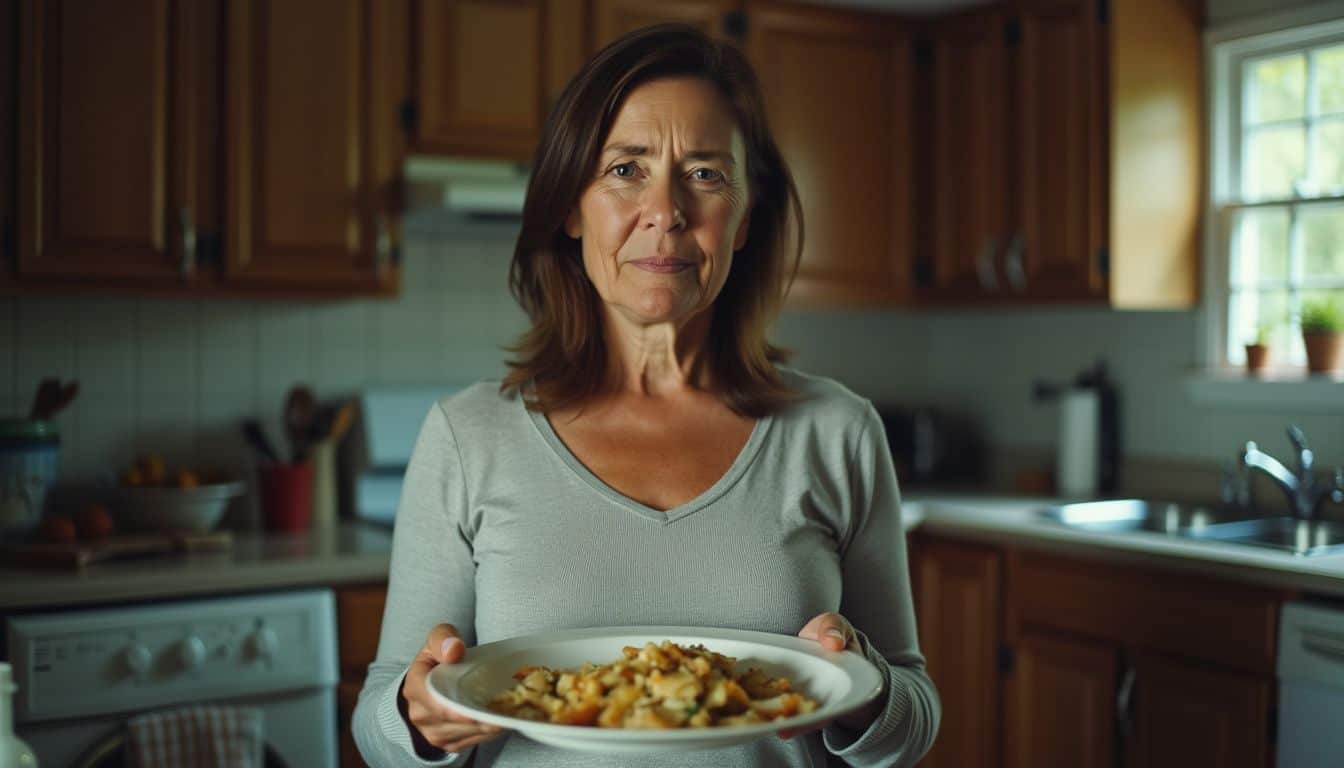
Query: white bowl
column 194, row 510
column 840, row 681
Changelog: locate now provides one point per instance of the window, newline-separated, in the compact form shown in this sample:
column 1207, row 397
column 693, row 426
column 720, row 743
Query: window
column 1278, row 184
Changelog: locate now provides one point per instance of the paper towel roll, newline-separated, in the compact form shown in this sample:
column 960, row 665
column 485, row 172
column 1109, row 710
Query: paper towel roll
column 1079, row 442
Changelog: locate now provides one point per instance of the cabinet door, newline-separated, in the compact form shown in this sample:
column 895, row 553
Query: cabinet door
column 613, row 18
column 488, row 72
column 972, row 133
column 837, row 87
column 1059, row 174
column 957, row 601
column 307, row 205
column 1185, row 714
column 106, row 169
column 1060, row 707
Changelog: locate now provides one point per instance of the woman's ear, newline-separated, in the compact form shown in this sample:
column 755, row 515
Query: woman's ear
column 740, row 238
column 574, row 224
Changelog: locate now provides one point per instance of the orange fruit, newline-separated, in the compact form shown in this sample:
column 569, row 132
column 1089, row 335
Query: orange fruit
column 58, row 528
column 153, row 468
column 94, row 522
column 133, row 478
column 187, row 479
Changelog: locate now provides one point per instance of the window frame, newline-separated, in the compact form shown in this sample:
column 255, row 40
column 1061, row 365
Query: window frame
column 1227, row 48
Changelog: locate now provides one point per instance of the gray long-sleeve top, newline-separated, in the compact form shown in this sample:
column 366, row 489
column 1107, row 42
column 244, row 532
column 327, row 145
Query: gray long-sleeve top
column 502, row 532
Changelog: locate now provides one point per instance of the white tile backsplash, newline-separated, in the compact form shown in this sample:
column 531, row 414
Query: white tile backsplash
column 107, row 364
column 169, row 346
column 228, row 350
column 9, row 354
column 45, row 334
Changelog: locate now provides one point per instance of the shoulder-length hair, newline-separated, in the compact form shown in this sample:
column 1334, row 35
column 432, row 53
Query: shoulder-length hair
column 563, row 356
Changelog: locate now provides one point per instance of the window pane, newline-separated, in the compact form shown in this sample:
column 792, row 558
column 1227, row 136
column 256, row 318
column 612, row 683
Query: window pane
column 1251, row 311
column 1262, row 241
column 1275, row 161
column 1276, row 88
column 1330, row 80
column 1322, row 241
column 1327, row 166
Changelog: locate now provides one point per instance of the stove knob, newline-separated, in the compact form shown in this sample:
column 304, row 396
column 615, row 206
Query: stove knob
column 264, row 643
column 191, row 653
column 137, row 658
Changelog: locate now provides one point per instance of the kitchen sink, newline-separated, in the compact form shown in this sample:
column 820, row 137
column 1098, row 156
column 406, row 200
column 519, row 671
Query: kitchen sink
column 1132, row 515
column 1286, row 534
column 1289, row 534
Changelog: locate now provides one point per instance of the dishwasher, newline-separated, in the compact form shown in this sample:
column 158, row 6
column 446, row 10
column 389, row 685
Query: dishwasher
column 1311, row 686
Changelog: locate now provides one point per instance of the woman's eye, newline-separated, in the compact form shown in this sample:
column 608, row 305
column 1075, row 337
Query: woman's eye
column 706, row 174
column 625, row 170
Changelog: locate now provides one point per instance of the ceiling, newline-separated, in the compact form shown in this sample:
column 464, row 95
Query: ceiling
column 904, row 6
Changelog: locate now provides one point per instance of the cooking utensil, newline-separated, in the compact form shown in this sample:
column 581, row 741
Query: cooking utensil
column 52, row 397
column 300, row 418
column 341, row 422
column 256, row 438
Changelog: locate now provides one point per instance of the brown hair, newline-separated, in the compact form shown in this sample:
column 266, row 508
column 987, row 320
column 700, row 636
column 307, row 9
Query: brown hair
column 564, row 356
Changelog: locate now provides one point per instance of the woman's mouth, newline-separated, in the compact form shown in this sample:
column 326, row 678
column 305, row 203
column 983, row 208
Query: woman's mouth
column 662, row 265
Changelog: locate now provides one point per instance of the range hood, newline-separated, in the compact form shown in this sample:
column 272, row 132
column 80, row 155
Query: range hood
column 450, row 193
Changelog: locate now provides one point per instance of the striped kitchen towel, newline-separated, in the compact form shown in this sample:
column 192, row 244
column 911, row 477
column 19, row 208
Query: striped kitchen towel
column 197, row 737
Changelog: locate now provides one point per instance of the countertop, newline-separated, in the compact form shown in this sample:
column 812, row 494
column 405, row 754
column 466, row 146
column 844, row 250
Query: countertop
column 354, row 553
column 346, row 554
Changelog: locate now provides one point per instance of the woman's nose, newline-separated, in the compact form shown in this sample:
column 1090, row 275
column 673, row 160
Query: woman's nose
column 663, row 209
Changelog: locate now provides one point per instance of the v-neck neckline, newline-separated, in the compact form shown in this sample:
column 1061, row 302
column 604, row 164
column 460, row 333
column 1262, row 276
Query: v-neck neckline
column 744, row 458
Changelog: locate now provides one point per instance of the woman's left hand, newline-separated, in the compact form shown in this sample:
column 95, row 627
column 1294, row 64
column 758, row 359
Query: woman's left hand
column 834, row 633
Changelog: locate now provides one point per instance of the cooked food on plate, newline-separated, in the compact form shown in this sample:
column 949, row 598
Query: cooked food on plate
column 657, row 686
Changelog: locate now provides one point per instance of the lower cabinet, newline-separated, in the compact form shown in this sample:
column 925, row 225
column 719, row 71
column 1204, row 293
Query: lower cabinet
column 1051, row 660
column 359, row 616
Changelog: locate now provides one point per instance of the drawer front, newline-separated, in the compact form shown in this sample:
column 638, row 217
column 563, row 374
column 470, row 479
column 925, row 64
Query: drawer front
column 1228, row 624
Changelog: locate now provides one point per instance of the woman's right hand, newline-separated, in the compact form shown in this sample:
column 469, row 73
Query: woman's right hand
column 434, row 724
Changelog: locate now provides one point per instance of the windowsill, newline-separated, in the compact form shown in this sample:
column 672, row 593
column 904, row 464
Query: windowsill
column 1289, row 388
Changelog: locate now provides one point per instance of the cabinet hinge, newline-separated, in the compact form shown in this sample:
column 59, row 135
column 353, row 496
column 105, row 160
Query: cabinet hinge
column 1012, row 32
column 1007, row 660
column 735, row 25
column 1103, row 11
column 410, row 116
column 1104, row 261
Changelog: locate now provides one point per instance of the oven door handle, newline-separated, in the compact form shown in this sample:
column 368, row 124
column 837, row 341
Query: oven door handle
column 112, row 751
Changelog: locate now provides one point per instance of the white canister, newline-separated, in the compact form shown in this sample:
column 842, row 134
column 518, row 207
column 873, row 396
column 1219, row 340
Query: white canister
column 1078, row 460
column 29, row 455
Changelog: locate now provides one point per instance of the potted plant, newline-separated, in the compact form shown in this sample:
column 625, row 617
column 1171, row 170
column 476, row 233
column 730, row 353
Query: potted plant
column 1323, row 335
column 1257, row 349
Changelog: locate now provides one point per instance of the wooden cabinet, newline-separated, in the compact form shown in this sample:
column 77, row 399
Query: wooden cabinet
column 613, row 18
column 958, row 592
column 1060, row 706
column 487, row 73
column 1094, row 664
column 853, row 175
column 1097, row 108
column 971, row 134
column 106, row 147
column 359, row 615
column 308, row 203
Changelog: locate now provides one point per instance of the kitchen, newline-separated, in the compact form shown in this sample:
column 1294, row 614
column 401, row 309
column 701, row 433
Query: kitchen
column 182, row 241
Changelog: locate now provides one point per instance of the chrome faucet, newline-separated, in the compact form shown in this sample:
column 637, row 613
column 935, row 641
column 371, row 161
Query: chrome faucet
column 1304, row 490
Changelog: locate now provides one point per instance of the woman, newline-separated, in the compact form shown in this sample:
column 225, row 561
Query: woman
column 646, row 461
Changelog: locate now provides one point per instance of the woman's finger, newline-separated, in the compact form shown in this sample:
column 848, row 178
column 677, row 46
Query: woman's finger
column 830, row 629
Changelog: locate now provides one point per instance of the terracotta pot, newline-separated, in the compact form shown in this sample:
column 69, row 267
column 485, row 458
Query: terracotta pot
column 1325, row 351
column 1257, row 355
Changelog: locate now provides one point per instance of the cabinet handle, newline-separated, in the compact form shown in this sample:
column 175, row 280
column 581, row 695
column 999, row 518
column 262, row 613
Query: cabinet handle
column 1124, row 699
column 383, row 245
column 1012, row 263
column 984, row 265
column 188, row 265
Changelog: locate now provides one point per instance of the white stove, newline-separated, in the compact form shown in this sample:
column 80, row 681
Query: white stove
column 82, row 674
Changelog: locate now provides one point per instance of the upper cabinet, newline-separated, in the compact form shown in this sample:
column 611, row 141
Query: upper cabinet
column 1071, row 170
column 107, row 154
column 853, row 175
column 309, row 203
column 487, row 73
column 613, row 18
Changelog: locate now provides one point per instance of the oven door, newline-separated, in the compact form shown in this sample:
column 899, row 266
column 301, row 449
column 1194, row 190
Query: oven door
column 111, row 753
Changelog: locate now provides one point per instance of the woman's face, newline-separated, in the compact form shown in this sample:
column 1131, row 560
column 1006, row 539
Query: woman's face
column 667, row 204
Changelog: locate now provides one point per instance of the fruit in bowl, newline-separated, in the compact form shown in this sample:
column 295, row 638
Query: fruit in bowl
column 153, row 498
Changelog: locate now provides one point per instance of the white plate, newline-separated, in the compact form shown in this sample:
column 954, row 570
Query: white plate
column 838, row 681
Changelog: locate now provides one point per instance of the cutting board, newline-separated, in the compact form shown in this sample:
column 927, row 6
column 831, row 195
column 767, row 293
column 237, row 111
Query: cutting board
column 77, row 554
